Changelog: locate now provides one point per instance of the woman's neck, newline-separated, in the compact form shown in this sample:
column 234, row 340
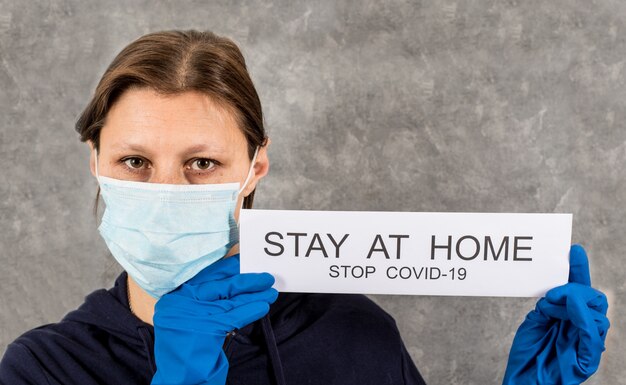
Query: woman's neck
column 141, row 303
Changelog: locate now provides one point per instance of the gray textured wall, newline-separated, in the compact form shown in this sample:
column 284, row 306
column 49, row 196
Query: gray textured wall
column 513, row 106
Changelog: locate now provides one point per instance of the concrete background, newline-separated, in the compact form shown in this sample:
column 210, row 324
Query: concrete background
column 497, row 106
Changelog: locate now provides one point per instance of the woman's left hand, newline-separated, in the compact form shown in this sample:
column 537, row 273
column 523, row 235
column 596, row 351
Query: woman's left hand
column 561, row 341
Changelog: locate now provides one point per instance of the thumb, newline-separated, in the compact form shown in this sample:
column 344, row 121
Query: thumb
column 579, row 266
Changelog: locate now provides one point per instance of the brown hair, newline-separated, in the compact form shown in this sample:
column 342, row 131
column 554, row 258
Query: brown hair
column 171, row 62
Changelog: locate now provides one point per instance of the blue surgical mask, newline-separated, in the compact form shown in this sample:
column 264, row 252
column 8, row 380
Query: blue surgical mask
column 164, row 234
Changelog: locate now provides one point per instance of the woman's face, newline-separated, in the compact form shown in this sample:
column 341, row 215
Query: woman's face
column 184, row 138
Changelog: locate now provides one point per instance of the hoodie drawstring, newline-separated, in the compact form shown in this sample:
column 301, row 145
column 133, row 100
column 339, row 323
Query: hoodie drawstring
column 272, row 350
column 148, row 342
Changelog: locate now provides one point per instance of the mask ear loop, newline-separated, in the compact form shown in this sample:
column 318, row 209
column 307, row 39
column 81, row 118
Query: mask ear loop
column 97, row 176
column 245, row 183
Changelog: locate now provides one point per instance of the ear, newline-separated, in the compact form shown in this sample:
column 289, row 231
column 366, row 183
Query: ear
column 92, row 158
column 260, row 168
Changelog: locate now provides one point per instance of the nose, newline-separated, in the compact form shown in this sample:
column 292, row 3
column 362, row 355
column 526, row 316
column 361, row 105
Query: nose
column 170, row 173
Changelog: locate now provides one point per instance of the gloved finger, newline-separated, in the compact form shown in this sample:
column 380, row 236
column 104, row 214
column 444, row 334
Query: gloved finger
column 215, row 308
column 245, row 314
column 602, row 323
column 223, row 323
column 559, row 302
column 268, row 295
column 547, row 311
column 225, row 305
column 552, row 311
column 584, row 315
column 579, row 265
column 181, row 307
column 225, row 267
column 561, row 295
column 532, row 330
column 591, row 343
column 578, row 311
column 537, row 316
column 228, row 287
column 599, row 304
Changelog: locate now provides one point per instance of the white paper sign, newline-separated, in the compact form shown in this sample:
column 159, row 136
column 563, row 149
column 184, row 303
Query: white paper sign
column 426, row 253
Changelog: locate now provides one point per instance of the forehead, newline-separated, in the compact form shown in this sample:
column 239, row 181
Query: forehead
column 143, row 116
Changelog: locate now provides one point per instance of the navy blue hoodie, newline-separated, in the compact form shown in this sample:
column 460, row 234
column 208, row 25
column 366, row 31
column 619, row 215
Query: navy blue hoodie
column 305, row 339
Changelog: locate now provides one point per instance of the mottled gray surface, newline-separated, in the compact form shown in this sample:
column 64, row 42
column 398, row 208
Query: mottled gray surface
column 411, row 106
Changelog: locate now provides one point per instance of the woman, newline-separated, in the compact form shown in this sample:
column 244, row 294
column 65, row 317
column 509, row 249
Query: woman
column 178, row 147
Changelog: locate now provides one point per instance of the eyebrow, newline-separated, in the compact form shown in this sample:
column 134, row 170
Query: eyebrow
column 192, row 149
column 203, row 147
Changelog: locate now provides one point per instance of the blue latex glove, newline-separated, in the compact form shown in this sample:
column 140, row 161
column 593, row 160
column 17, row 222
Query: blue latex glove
column 561, row 341
column 191, row 322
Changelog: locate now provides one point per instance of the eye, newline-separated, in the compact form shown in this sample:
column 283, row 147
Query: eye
column 202, row 164
column 134, row 162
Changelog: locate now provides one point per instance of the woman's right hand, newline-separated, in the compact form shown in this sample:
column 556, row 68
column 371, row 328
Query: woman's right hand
column 191, row 322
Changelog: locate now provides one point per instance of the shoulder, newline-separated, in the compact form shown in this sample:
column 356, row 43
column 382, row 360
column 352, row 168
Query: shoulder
column 48, row 341
column 96, row 340
column 74, row 331
column 52, row 354
column 26, row 359
column 20, row 366
column 35, row 356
